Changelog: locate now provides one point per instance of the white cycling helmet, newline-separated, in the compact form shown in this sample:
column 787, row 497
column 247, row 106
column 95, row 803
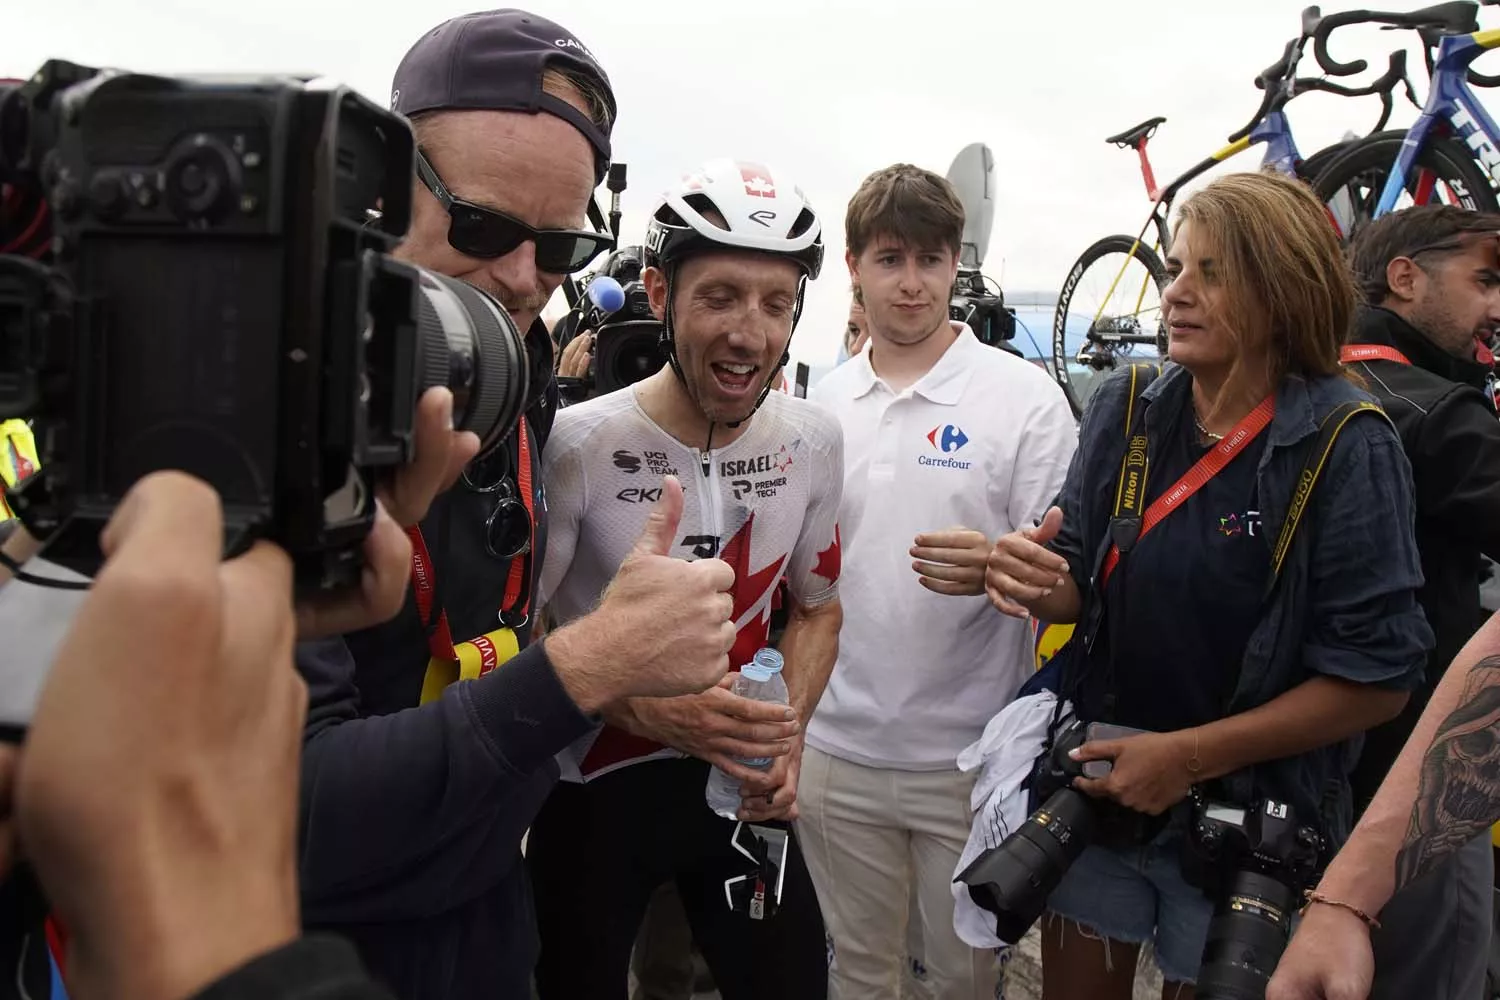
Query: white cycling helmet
column 761, row 211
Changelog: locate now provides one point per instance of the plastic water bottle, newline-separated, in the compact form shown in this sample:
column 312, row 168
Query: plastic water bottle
column 758, row 680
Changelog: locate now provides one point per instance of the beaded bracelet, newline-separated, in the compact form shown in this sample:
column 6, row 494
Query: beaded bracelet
column 1313, row 896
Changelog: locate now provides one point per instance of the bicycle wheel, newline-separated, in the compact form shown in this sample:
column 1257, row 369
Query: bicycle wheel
column 1109, row 307
column 1445, row 171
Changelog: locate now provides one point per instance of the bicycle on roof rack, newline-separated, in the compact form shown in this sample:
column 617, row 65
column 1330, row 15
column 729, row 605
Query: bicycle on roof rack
column 1130, row 271
column 1450, row 152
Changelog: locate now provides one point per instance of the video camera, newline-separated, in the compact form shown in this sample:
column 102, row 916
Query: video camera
column 220, row 299
column 984, row 312
column 1254, row 863
column 972, row 303
column 627, row 336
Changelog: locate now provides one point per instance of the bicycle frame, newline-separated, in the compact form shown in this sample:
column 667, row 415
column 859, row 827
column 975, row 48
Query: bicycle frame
column 1450, row 100
column 1274, row 132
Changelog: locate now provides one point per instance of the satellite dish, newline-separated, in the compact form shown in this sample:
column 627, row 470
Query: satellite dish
column 973, row 176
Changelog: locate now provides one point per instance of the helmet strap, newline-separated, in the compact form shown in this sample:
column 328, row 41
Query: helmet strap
column 667, row 339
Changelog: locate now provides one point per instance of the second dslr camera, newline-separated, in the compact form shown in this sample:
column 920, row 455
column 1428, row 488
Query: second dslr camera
column 1253, row 862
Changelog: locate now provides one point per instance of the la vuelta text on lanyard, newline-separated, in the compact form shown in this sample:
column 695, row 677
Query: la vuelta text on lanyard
column 1371, row 352
column 440, row 638
column 1132, row 482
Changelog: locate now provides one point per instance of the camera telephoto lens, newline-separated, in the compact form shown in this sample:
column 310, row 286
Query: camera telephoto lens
column 1013, row 881
column 1246, row 937
column 468, row 342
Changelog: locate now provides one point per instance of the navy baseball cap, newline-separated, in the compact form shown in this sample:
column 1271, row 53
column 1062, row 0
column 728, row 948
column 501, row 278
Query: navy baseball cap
column 493, row 61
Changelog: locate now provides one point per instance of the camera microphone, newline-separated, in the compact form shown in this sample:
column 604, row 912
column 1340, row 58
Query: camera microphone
column 606, row 294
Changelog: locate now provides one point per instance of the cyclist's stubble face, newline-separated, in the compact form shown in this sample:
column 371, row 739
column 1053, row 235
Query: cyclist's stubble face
column 536, row 168
column 1455, row 300
column 905, row 290
column 731, row 321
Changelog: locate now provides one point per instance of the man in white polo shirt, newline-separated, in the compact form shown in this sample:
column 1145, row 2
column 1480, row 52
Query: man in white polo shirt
column 948, row 444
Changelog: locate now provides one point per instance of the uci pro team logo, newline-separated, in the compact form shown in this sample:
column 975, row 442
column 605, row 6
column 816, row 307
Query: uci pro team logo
column 947, row 439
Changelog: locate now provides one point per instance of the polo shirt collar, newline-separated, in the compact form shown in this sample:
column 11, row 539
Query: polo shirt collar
column 944, row 382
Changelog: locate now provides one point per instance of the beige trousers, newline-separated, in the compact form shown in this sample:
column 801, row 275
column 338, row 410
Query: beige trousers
column 881, row 846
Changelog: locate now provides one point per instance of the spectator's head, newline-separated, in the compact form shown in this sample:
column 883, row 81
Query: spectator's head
column 512, row 116
column 903, row 229
column 857, row 332
column 729, row 252
column 1438, row 268
column 1259, row 287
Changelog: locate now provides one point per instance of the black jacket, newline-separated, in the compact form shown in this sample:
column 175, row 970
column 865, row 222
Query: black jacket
column 412, row 816
column 311, row 968
column 1448, row 426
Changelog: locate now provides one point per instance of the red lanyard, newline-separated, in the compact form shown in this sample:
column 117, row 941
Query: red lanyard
column 440, row 639
column 1371, row 352
column 1197, row 477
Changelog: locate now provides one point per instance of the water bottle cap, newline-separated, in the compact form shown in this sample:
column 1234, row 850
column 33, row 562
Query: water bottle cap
column 766, row 663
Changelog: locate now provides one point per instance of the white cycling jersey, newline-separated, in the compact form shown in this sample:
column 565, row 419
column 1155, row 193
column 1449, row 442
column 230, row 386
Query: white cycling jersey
column 768, row 506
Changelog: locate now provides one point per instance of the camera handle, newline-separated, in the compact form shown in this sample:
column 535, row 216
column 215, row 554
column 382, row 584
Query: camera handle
column 616, row 185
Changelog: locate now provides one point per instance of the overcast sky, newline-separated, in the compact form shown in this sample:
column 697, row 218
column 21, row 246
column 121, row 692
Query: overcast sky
column 823, row 90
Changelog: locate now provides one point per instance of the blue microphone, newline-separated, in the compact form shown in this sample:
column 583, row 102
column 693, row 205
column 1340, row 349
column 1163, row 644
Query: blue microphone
column 606, row 294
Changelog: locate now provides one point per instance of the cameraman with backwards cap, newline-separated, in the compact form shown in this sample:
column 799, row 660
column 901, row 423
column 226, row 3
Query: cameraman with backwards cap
column 416, row 791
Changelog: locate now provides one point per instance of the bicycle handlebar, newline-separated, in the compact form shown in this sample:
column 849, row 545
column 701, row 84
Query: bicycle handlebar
column 1458, row 17
column 1395, row 73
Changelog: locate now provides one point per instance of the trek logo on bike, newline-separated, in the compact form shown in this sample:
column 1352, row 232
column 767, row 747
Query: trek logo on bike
column 1465, row 124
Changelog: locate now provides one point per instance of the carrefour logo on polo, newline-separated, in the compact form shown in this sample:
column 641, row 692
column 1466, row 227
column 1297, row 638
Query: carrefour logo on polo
column 947, row 439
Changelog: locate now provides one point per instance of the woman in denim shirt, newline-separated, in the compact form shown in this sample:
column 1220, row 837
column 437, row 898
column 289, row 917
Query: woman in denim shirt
column 1248, row 697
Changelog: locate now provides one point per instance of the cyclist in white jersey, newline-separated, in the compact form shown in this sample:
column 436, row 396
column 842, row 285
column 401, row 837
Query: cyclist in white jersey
column 728, row 254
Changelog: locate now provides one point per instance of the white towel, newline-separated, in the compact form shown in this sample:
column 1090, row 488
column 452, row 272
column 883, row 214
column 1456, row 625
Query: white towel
column 1005, row 754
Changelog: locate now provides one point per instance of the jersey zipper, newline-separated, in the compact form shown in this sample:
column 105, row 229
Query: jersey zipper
column 711, row 516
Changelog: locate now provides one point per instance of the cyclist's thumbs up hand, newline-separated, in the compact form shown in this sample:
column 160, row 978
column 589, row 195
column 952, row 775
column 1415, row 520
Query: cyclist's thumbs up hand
column 662, row 628
column 661, row 526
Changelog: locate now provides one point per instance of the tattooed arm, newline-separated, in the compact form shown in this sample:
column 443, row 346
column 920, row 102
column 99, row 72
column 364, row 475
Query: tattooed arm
column 1442, row 792
column 1458, row 792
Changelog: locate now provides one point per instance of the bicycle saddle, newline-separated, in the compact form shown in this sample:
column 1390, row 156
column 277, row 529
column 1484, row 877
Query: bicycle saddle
column 1133, row 137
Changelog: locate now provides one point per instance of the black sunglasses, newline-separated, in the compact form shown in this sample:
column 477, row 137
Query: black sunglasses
column 507, row 531
column 483, row 232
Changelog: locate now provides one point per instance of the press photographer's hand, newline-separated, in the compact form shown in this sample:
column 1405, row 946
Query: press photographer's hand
column 951, row 562
column 1329, row 958
column 1149, row 773
column 157, row 791
column 1020, row 571
column 440, row 456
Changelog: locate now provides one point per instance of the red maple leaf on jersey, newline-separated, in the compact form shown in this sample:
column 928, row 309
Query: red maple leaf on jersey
column 830, row 560
column 750, row 590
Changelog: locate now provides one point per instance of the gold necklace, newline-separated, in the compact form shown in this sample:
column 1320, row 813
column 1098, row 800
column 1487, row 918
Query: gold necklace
column 1204, row 430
